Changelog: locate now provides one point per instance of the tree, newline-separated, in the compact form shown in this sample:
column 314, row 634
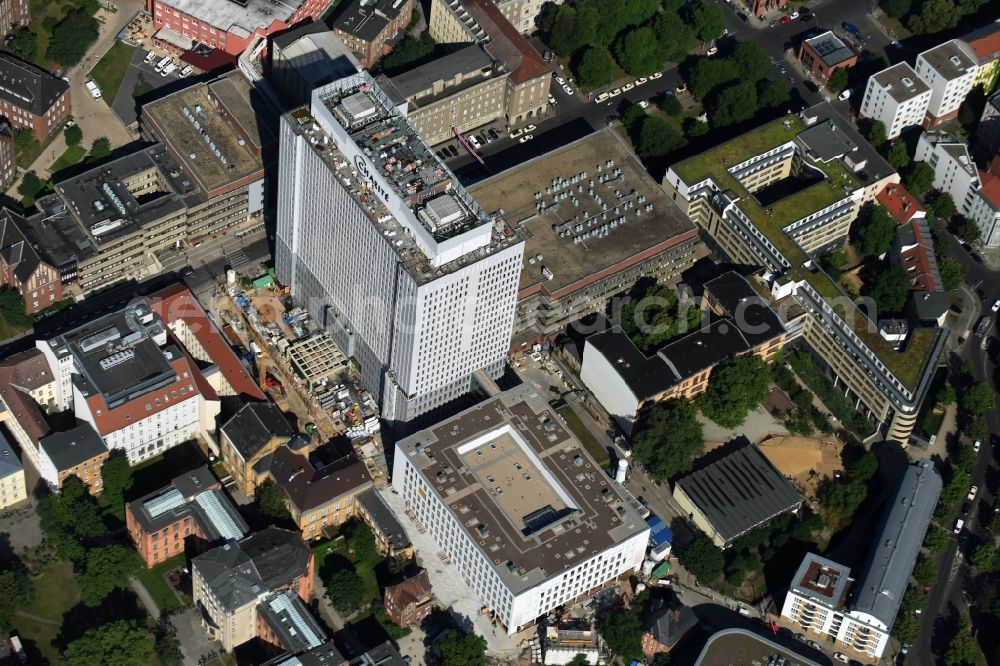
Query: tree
column 460, row 648
column 637, row 52
column 864, row 468
column 568, row 32
column 772, row 94
column 100, row 149
column 705, row 20
column 72, row 36
column 654, row 314
column 898, row 8
column 71, row 518
column 16, row 593
column 632, row 117
column 963, row 649
column 168, row 647
column 272, row 501
column 984, row 557
column 73, row 135
column 976, row 399
column 736, row 387
column 116, row 476
column 751, row 62
column 361, row 542
column 952, row 272
column 709, row 74
column 899, row 155
column 925, row 571
column 120, row 643
column 30, row 187
column 874, row 231
column 968, row 231
column 673, row 36
column 694, row 128
column 669, row 439
column 890, row 290
column 734, row 104
column 595, row 67
column 23, row 43
column 943, row 206
column 108, row 568
column 671, row 105
column 921, row 179
column 658, row 137
column 833, row 263
column 877, row 135
column 622, row 632
column 933, row 17
column 579, row 660
column 936, row 539
column 703, row 559
column 346, row 590
column 837, row 81
column 947, row 395
column 408, row 52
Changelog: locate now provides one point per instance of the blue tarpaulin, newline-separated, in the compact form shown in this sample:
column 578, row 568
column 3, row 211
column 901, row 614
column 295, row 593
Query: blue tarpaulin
column 659, row 533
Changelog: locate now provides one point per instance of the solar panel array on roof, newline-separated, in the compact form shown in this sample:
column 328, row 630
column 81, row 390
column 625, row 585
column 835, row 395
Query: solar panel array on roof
column 282, row 603
column 220, row 518
column 165, row 502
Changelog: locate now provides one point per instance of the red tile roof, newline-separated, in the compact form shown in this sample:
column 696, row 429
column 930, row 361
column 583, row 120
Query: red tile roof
column 508, row 43
column 901, row 204
column 177, row 302
column 985, row 42
column 990, row 190
column 20, row 373
column 107, row 421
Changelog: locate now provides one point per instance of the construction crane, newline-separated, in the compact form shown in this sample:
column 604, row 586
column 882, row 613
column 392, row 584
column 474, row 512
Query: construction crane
column 258, row 346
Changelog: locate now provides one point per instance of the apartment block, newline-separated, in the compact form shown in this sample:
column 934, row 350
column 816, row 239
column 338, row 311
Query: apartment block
column 985, row 207
column 523, row 14
column 370, row 27
column 736, row 321
column 225, row 25
column 79, row 451
column 12, row 486
column 231, row 581
column 520, row 508
column 727, row 192
column 254, row 432
column 988, row 130
column 825, row 602
column 30, row 97
column 596, row 222
column 955, row 172
column 896, row 97
column 949, row 70
column 416, row 282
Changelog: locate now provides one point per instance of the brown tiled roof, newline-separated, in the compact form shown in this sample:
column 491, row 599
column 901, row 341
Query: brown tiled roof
column 899, row 202
column 412, row 590
column 507, row 44
column 308, row 487
column 20, row 373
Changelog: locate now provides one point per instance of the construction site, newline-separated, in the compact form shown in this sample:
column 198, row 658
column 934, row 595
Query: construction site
column 300, row 367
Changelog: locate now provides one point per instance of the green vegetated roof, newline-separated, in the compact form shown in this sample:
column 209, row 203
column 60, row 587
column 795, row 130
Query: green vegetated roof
column 715, row 164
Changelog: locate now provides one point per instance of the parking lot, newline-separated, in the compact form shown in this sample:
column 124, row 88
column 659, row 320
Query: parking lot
column 141, row 75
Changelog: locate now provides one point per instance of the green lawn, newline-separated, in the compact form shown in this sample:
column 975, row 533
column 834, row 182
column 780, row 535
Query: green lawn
column 55, row 593
column 109, row 72
column 27, row 156
column 71, row 156
column 158, row 587
column 586, row 438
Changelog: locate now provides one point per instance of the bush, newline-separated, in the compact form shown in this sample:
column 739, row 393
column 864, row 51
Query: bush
column 73, row 135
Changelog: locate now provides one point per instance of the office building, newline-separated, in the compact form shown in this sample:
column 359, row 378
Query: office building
column 129, row 380
column 286, row 625
column 31, row 98
column 79, row 451
column 22, row 267
column 12, row 486
column 370, row 27
column 736, row 321
column 307, row 57
column 824, row 54
column 736, row 494
column 8, row 158
column 390, row 535
column 723, row 644
column 519, row 507
column 225, row 25
column 596, row 222
column 231, row 581
column 526, row 94
column 730, row 192
column 826, row 602
column 457, row 92
column 188, row 515
column 896, row 97
column 523, row 14
column 984, row 45
column 254, row 432
column 416, row 282
column 320, row 490
column 949, row 70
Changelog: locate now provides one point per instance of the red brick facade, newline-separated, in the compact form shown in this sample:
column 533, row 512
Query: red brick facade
column 38, row 282
column 13, row 13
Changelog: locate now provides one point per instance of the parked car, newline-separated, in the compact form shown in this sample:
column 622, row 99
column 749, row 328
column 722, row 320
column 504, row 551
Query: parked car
column 959, row 524
column 627, row 87
column 569, row 91
column 639, row 81
column 600, row 98
column 996, row 305
column 785, row 20
column 976, row 445
column 494, row 135
column 560, row 80
column 845, row 94
column 712, row 51
column 793, row 15
column 516, row 133
column 615, row 92
column 552, row 100
column 526, row 138
column 150, row 57
column 187, row 70
column 773, row 24
column 681, row 89
column 185, row 272
column 655, row 75
column 643, row 104
column 92, row 88
column 972, row 493
column 529, row 128
column 169, row 69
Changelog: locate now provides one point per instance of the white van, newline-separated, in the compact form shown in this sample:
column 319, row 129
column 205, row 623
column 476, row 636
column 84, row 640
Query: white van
column 92, row 88
column 959, row 524
column 163, row 63
column 149, row 57
column 168, row 70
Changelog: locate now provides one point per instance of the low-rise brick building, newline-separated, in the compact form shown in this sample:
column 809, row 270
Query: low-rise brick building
column 31, row 98
column 824, row 54
column 251, row 434
column 407, row 603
